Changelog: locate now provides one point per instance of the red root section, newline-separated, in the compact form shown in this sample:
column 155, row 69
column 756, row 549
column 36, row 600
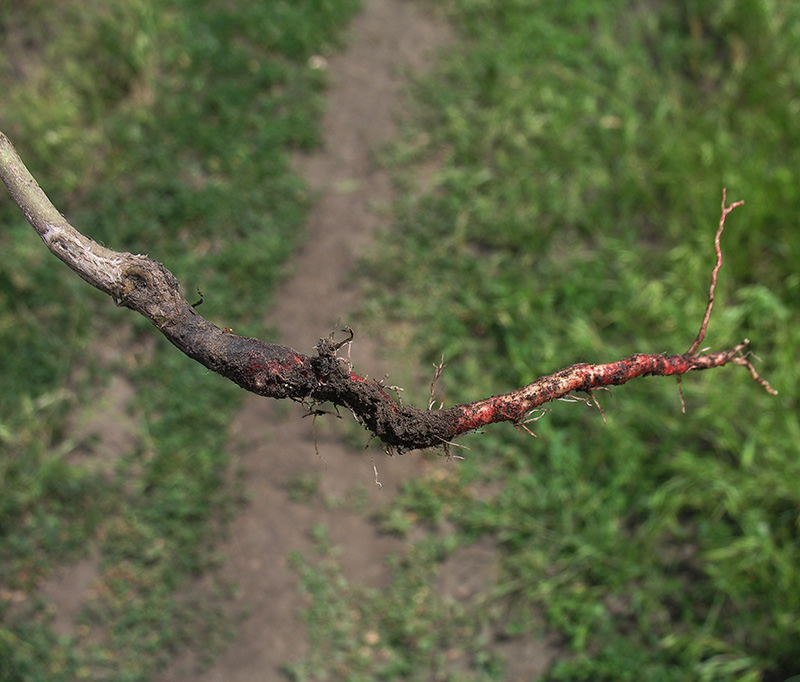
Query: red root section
column 516, row 406
column 274, row 371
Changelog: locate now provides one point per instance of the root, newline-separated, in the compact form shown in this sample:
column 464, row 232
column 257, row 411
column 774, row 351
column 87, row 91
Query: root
column 274, row 371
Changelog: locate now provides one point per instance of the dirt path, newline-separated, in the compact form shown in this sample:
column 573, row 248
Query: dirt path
column 273, row 445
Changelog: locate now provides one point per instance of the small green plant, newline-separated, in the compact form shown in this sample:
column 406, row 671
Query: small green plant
column 303, row 487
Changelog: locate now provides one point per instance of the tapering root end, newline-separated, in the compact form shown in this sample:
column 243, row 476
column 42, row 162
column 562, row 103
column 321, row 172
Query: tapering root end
column 741, row 359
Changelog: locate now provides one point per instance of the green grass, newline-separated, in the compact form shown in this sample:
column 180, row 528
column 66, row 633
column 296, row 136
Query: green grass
column 581, row 150
column 407, row 631
column 162, row 128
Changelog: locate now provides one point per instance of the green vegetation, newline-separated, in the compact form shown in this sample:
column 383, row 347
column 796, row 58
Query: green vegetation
column 580, row 149
column 406, row 632
column 162, row 128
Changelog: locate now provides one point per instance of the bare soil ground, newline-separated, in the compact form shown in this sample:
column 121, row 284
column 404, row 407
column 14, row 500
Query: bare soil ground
column 273, row 444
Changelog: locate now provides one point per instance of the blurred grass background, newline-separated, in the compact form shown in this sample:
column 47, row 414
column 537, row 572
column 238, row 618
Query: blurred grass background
column 561, row 185
column 572, row 156
column 163, row 128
